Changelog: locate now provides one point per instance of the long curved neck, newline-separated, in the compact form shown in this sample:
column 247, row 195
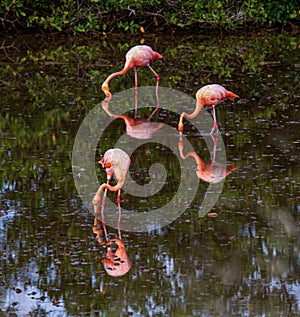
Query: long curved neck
column 192, row 115
column 113, row 75
column 105, row 85
column 115, row 188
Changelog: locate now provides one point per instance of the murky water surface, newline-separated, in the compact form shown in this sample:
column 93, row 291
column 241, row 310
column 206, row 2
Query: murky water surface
column 238, row 258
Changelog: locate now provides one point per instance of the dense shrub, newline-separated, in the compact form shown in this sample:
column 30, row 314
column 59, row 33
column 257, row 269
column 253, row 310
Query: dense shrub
column 138, row 15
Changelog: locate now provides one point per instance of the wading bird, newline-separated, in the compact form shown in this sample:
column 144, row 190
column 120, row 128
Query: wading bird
column 209, row 95
column 137, row 56
column 116, row 162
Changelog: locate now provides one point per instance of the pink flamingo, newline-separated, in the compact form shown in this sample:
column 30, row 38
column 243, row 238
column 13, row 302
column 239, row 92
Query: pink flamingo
column 137, row 56
column 209, row 95
column 116, row 162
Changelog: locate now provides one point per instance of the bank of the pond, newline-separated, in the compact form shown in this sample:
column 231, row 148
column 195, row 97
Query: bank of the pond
column 146, row 17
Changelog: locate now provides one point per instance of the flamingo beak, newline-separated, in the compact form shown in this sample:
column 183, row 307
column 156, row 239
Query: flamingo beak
column 101, row 162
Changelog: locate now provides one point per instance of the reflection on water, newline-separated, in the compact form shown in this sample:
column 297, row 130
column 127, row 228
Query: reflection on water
column 243, row 262
column 139, row 128
column 211, row 171
column 116, row 261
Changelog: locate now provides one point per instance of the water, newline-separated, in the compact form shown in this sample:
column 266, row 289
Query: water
column 239, row 259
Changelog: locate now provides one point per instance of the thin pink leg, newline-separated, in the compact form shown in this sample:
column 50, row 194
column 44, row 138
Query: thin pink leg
column 156, row 108
column 103, row 207
column 136, row 99
column 135, row 78
column 102, row 212
column 119, row 217
column 215, row 127
column 157, row 79
column 215, row 141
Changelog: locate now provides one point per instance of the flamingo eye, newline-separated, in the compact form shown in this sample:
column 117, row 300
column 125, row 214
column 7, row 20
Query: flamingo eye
column 107, row 165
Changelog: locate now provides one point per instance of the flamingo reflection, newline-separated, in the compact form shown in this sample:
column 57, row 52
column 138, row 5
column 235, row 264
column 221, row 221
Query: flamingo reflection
column 138, row 128
column 116, row 261
column 209, row 95
column 210, row 171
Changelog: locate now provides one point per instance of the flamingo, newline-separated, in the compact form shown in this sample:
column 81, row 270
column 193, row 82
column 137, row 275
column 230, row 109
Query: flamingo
column 116, row 162
column 137, row 56
column 209, row 95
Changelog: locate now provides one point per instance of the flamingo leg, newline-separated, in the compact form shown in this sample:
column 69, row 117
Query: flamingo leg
column 102, row 209
column 102, row 213
column 136, row 99
column 156, row 108
column 135, row 78
column 154, row 111
column 119, row 207
column 215, row 127
column 215, row 141
column 157, row 79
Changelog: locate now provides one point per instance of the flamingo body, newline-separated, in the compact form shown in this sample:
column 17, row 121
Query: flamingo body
column 212, row 95
column 116, row 162
column 140, row 56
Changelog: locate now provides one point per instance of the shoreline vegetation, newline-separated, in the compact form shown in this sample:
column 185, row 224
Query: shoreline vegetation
column 153, row 16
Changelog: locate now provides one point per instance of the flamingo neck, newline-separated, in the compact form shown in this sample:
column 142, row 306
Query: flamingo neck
column 115, row 188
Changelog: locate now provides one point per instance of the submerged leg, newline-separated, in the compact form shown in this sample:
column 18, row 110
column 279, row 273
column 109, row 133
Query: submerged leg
column 215, row 142
column 136, row 99
column 156, row 108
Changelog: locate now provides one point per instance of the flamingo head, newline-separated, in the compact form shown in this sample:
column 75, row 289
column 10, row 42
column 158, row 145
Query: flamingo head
column 107, row 165
column 105, row 89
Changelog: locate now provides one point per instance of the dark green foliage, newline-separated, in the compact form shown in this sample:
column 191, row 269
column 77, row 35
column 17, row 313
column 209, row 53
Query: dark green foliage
column 140, row 16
